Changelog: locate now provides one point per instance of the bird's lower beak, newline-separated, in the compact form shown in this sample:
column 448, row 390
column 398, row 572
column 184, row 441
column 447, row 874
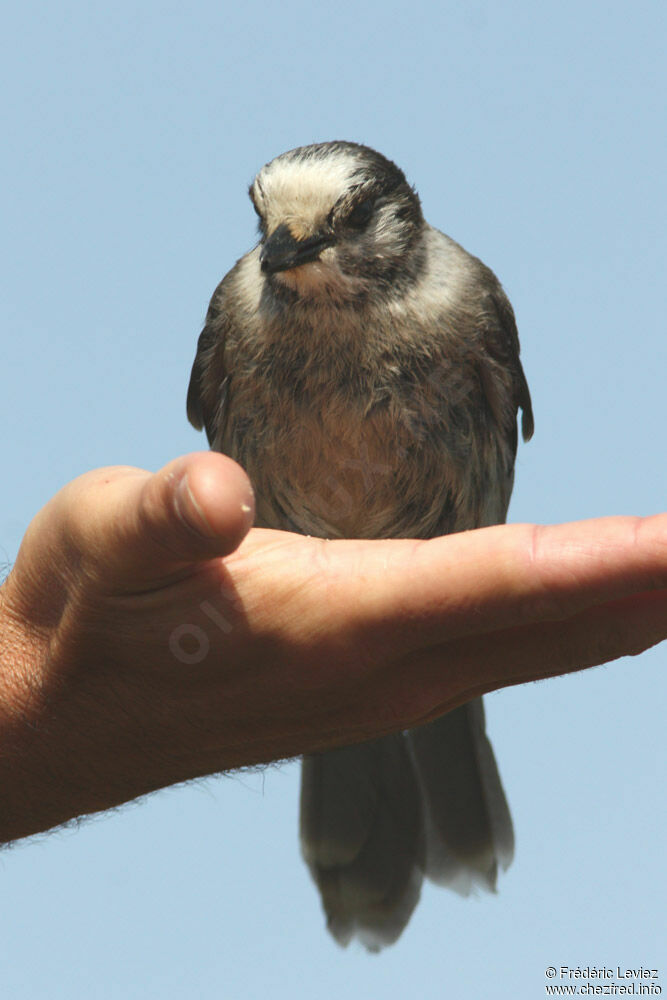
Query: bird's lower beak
column 282, row 251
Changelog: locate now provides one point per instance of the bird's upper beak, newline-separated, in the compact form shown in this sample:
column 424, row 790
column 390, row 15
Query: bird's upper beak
column 282, row 251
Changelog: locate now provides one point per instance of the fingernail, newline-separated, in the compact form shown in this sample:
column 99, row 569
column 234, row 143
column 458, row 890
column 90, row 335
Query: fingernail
column 189, row 510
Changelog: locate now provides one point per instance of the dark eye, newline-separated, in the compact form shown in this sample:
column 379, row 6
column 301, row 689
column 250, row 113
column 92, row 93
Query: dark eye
column 361, row 213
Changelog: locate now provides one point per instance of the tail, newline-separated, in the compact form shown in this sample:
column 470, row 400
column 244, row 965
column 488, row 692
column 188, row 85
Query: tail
column 377, row 817
column 469, row 833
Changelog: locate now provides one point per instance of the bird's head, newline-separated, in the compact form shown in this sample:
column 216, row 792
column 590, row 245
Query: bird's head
column 337, row 220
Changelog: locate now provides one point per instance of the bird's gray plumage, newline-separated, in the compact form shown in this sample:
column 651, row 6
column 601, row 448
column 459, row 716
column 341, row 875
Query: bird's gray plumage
column 364, row 369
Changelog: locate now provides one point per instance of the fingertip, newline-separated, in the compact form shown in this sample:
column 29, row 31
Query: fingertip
column 214, row 498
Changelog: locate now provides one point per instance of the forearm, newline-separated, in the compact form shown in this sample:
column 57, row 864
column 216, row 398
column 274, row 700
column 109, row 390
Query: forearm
column 64, row 751
column 24, row 781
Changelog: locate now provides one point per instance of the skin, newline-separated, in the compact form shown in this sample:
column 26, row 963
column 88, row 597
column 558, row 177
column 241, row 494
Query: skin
column 148, row 637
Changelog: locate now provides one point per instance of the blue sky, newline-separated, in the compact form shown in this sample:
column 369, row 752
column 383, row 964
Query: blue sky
column 535, row 134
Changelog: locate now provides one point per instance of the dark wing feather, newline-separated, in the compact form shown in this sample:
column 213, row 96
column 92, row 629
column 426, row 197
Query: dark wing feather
column 208, row 391
column 502, row 342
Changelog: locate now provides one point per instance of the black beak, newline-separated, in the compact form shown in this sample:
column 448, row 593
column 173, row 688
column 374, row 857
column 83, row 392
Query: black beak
column 281, row 252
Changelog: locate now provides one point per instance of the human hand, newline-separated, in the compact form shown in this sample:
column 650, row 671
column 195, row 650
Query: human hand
column 146, row 639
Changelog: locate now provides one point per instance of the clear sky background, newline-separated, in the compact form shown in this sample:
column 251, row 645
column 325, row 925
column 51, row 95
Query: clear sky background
column 535, row 134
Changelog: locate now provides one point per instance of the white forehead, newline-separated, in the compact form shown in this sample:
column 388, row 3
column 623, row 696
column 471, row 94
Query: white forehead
column 304, row 188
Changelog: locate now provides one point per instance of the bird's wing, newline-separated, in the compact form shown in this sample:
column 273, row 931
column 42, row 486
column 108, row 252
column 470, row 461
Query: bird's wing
column 502, row 342
column 208, row 391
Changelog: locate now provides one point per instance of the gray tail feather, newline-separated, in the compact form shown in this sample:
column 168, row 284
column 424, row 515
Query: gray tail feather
column 362, row 837
column 469, row 833
column 377, row 817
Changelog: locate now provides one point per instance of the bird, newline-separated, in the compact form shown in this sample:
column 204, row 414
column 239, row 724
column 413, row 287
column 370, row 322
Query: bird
column 364, row 369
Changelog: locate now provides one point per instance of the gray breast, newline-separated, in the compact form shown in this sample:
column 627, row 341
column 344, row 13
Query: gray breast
column 353, row 439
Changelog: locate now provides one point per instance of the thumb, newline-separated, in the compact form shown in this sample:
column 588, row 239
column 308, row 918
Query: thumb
column 124, row 530
column 195, row 508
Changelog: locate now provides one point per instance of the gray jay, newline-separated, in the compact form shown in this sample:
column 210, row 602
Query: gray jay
column 364, row 370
